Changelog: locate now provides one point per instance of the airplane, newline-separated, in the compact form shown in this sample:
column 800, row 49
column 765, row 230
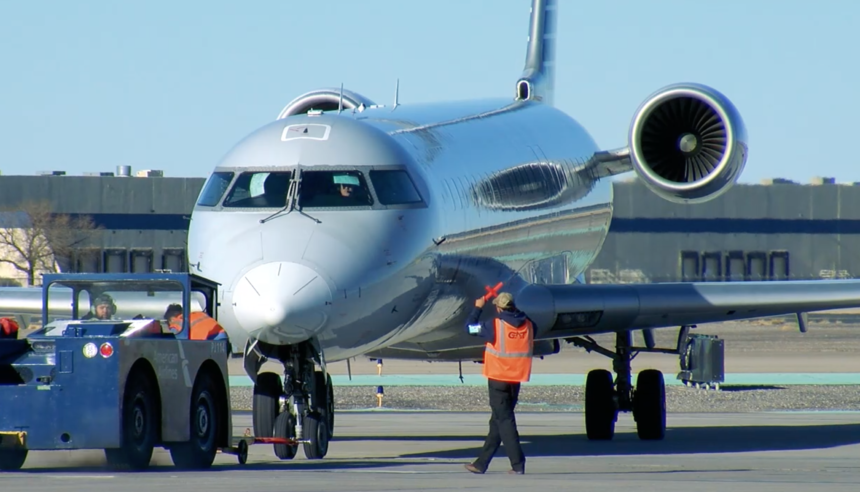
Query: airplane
column 346, row 228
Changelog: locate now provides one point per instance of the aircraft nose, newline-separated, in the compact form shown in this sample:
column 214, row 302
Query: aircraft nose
column 286, row 299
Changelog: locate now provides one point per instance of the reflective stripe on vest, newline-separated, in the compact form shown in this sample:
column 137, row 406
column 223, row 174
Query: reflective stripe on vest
column 509, row 358
column 500, row 340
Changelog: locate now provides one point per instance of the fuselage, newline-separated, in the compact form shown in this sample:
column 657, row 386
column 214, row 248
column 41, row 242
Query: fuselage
column 451, row 197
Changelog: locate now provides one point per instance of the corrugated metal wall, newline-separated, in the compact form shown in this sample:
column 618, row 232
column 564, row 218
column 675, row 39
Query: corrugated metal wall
column 798, row 231
column 144, row 219
column 753, row 231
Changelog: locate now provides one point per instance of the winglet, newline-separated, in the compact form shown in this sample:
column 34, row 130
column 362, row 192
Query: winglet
column 538, row 79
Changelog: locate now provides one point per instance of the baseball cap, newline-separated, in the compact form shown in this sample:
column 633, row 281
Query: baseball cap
column 504, row 300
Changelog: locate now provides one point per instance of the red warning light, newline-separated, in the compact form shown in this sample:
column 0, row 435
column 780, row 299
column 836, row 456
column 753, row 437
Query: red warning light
column 106, row 350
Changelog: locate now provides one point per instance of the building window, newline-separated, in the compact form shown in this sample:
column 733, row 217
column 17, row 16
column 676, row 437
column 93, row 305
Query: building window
column 141, row 260
column 173, row 259
column 779, row 265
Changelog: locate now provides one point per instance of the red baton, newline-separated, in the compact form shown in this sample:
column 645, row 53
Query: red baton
column 491, row 293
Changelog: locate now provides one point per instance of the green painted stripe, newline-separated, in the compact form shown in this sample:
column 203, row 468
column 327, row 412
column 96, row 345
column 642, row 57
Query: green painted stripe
column 776, row 379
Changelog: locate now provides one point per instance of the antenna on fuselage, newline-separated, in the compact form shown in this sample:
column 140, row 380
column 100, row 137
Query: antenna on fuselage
column 340, row 100
column 396, row 95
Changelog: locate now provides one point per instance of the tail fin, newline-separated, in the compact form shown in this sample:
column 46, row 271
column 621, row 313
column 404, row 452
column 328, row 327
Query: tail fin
column 538, row 79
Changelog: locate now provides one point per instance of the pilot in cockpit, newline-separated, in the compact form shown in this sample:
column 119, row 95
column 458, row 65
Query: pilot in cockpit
column 275, row 190
column 346, row 184
column 101, row 308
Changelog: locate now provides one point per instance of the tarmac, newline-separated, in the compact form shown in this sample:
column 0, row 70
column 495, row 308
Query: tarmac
column 425, row 450
column 376, row 451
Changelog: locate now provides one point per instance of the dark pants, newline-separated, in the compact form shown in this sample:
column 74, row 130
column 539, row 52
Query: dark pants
column 503, row 426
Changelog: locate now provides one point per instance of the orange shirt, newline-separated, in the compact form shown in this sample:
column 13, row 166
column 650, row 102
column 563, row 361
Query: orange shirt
column 509, row 357
column 202, row 326
column 8, row 328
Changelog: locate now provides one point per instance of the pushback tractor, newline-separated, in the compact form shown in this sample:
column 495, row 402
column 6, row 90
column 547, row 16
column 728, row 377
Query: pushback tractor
column 119, row 379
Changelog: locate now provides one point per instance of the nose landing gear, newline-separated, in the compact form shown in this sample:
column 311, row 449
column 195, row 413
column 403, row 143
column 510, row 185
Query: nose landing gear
column 301, row 409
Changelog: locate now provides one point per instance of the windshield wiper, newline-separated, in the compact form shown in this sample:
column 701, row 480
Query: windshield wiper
column 292, row 198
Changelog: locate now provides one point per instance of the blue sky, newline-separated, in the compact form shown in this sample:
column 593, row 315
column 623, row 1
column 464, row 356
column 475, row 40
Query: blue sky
column 87, row 85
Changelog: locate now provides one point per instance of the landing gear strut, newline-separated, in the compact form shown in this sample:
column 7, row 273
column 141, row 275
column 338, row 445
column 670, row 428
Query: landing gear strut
column 301, row 407
column 605, row 398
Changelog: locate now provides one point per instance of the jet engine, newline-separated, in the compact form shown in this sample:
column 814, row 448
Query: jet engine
column 688, row 143
column 326, row 99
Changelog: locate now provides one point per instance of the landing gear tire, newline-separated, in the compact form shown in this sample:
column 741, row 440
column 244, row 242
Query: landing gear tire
column 285, row 428
column 12, row 459
column 600, row 411
column 140, row 425
column 649, row 405
column 315, row 429
column 330, row 406
column 205, row 421
column 266, row 404
column 324, row 402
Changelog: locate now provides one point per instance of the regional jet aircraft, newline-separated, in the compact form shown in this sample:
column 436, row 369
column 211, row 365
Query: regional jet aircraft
column 345, row 228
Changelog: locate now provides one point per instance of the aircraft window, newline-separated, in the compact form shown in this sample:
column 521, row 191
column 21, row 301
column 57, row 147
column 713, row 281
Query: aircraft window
column 394, row 187
column 320, row 189
column 260, row 190
column 214, row 189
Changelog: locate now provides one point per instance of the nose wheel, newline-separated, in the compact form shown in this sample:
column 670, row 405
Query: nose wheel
column 307, row 397
column 266, row 403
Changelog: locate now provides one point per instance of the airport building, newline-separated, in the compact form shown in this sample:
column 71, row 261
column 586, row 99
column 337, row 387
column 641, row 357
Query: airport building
column 770, row 231
column 142, row 218
column 774, row 230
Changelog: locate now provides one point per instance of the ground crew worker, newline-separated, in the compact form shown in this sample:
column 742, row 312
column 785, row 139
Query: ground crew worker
column 202, row 326
column 507, row 363
column 8, row 328
column 102, row 308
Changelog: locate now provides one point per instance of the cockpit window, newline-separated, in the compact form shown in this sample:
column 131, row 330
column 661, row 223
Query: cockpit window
column 214, row 189
column 394, row 187
column 260, row 190
column 320, row 189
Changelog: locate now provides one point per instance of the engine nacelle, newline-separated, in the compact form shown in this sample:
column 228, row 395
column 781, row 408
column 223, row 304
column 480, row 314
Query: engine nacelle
column 688, row 143
column 326, row 99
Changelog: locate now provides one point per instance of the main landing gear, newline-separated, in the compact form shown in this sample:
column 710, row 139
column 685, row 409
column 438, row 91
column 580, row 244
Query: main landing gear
column 605, row 398
column 300, row 408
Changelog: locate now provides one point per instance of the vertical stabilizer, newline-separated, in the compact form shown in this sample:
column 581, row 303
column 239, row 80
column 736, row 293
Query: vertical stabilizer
column 538, row 79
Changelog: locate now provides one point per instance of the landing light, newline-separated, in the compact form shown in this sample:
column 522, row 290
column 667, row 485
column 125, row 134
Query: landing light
column 106, row 350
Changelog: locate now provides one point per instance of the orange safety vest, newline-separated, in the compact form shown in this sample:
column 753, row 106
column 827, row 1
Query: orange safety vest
column 509, row 358
column 202, row 326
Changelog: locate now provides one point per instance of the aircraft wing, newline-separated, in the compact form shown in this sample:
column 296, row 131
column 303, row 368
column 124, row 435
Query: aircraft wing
column 570, row 310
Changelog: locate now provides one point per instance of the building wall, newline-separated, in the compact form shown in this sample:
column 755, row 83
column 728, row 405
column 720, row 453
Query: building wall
column 795, row 231
column 143, row 219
